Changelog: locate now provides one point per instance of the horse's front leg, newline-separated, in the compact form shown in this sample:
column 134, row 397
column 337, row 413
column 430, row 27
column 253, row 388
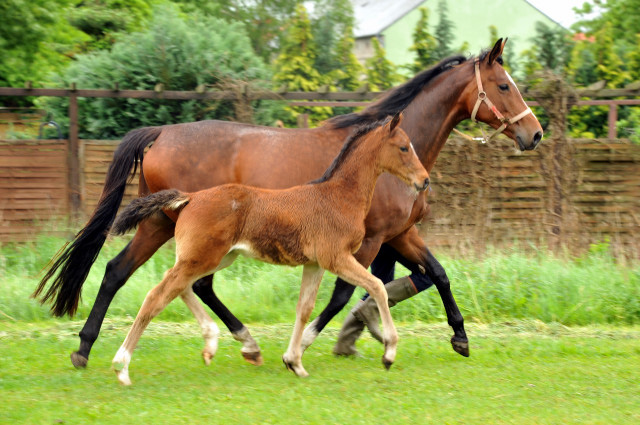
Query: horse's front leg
column 311, row 278
column 353, row 272
column 426, row 270
column 341, row 293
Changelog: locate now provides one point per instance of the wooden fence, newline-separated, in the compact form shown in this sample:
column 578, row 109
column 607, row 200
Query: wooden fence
column 482, row 193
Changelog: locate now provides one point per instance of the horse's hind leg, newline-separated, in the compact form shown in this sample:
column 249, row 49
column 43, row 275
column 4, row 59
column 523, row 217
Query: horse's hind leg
column 426, row 270
column 150, row 236
column 203, row 288
column 210, row 331
column 175, row 281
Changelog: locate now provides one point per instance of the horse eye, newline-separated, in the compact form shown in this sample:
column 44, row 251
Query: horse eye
column 404, row 149
column 504, row 87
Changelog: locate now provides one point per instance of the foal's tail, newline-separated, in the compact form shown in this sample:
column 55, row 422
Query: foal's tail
column 77, row 258
column 142, row 208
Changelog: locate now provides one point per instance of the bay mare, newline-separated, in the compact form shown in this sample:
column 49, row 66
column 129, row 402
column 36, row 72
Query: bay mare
column 319, row 225
column 199, row 155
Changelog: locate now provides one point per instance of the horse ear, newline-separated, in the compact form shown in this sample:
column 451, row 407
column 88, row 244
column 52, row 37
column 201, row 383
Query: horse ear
column 496, row 52
column 397, row 119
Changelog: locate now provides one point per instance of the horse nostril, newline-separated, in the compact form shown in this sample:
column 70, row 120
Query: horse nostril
column 537, row 137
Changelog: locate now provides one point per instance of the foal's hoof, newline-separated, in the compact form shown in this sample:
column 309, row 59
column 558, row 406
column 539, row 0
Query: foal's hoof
column 387, row 363
column 460, row 346
column 79, row 361
column 206, row 357
column 299, row 370
column 254, row 358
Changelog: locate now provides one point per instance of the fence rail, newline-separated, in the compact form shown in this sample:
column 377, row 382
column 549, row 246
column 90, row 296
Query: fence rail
column 482, row 193
column 573, row 191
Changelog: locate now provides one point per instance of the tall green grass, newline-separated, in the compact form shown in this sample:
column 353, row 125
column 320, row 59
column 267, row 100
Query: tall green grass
column 525, row 283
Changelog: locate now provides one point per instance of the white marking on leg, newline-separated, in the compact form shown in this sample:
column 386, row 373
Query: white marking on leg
column 120, row 364
column 210, row 331
column 310, row 334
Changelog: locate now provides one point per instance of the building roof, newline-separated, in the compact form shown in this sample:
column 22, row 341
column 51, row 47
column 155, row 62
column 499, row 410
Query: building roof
column 374, row 16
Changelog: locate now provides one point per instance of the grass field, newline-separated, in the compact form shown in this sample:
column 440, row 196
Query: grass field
column 518, row 373
column 554, row 340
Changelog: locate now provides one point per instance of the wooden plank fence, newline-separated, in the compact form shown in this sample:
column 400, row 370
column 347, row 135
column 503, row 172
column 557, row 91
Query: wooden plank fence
column 482, row 193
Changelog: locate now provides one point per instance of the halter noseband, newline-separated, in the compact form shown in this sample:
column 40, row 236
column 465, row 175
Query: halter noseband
column 482, row 97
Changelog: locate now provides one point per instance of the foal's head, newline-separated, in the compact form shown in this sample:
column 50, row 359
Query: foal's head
column 509, row 109
column 398, row 157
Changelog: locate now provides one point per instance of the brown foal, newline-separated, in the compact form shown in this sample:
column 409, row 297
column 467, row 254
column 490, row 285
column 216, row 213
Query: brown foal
column 319, row 225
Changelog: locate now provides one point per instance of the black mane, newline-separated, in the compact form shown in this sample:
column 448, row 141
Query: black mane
column 348, row 146
column 398, row 98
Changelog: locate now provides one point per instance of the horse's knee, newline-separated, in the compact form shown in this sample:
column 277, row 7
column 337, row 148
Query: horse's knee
column 421, row 281
column 115, row 275
column 202, row 287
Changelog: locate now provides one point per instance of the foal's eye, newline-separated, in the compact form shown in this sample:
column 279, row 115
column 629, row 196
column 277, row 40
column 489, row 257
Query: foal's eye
column 503, row 87
column 404, row 149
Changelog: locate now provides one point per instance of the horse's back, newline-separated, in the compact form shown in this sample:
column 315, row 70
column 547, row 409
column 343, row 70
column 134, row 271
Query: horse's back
column 199, row 155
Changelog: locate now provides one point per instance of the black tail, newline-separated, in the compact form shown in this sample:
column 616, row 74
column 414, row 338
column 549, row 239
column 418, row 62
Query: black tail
column 76, row 260
column 143, row 208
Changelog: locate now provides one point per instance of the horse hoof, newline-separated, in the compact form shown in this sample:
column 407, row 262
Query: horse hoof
column 207, row 358
column 254, row 358
column 123, row 378
column 299, row 371
column 387, row 363
column 79, row 361
column 460, row 347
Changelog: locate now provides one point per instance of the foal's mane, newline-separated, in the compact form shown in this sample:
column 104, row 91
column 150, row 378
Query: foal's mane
column 398, row 98
column 348, row 146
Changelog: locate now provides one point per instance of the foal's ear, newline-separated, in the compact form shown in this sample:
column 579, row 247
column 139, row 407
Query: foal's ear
column 395, row 121
column 496, row 52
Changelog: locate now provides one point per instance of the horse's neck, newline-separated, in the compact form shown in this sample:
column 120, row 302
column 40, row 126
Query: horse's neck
column 434, row 113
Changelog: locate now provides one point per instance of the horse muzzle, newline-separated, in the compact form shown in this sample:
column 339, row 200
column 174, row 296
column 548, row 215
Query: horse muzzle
column 537, row 137
column 421, row 187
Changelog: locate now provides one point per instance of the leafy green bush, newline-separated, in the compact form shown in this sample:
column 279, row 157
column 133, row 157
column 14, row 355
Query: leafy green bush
column 179, row 51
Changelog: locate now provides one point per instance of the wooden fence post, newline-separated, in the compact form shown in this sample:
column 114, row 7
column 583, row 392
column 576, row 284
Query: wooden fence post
column 74, row 157
column 556, row 97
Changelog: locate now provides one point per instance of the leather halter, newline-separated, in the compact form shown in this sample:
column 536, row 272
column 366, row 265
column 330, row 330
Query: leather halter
column 482, row 97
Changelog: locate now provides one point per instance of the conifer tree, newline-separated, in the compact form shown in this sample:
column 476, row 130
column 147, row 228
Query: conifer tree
column 381, row 73
column 295, row 66
column 443, row 32
column 424, row 44
column 347, row 76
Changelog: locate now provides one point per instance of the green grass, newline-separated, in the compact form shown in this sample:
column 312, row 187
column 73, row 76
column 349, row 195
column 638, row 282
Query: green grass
column 524, row 372
column 526, row 283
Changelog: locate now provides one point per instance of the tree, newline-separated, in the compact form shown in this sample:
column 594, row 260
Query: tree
column 332, row 21
column 102, row 19
column 424, row 44
column 178, row 52
column 443, row 32
column 35, row 39
column 295, row 66
column 264, row 20
column 346, row 76
column 381, row 73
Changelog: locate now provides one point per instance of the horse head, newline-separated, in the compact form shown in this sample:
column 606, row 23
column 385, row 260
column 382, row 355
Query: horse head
column 495, row 99
column 398, row 156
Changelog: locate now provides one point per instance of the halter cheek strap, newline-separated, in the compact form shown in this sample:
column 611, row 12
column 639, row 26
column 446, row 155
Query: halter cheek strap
column 482, row 97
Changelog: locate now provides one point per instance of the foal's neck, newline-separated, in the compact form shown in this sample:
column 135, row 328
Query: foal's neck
column 357, row 174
